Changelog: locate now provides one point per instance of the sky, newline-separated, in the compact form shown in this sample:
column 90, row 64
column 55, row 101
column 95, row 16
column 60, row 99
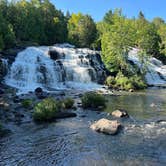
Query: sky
column 98, row 8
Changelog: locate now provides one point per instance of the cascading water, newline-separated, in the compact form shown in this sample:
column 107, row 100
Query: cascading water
column 156, row 71
column 56, row 67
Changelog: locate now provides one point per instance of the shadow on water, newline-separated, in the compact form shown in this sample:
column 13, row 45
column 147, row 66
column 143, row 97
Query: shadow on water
column 70, row 142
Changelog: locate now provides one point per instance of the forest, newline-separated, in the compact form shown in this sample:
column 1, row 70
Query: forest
column 38, row 22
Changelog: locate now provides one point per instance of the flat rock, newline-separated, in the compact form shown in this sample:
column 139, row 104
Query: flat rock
column 106, row 126
column 119, row 113
column 61, row 115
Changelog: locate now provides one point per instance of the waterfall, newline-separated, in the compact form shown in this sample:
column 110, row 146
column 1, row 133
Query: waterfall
column 55, row 67
column 156, row 71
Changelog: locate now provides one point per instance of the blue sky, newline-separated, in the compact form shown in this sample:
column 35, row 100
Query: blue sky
column 130, row 8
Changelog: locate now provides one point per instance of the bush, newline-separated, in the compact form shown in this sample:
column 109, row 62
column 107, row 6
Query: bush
column 68, row 103
column 125, row 83
column 93, row 100
column 26, row 103
column 46, row 109
column 110, row 81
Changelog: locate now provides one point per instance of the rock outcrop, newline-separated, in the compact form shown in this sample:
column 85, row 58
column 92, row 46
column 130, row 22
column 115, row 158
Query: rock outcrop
column 106, row 126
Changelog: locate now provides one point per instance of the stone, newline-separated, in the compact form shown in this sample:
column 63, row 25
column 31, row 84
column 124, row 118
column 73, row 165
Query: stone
column 38, row 90
column 119, row 113
column 131, row 90
column 39, row 93
column 106, row 126
column 54, row 55
column 16, row 99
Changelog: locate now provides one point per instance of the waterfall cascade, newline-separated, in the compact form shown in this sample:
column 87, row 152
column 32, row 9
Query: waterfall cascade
column 56, row 67
column 156, row 71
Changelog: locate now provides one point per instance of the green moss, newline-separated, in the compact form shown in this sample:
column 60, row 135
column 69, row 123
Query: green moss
column 68, row 103
column 26, row 103
column 46, row 109
column 93, row 100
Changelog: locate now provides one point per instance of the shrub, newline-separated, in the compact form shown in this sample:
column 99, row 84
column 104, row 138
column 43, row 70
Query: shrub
column 46, row 109
column 110, row 81
column 125, row 83
column 92, row 100
column 68, row 103
column 26, row 103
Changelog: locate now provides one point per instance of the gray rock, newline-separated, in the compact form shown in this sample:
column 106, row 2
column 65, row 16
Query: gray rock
column 106, row 126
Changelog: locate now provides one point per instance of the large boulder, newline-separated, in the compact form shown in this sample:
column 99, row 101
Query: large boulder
column 119, row 113
column 39, row 93
column 54, row 54
column 106, row 126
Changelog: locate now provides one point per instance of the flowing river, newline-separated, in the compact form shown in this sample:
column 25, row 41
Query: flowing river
column 70, row 142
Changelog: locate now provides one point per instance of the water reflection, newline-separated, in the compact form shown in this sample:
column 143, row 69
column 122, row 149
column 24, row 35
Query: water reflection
column 140, row 105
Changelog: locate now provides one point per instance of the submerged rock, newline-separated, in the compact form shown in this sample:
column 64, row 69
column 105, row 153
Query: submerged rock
column 106, row 126
column 119, row 113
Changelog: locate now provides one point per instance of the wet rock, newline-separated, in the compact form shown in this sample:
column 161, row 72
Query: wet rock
column 4, row 104
column 55, row 55
column 65, row 114
column 83, row 116
column 106, row 126
column 38, row 90
column 119, row 113
column 131, row 90
column 39, row 93
column 16, row 99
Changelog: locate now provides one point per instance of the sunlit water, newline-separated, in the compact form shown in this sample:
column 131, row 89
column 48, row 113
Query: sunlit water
column 70, row 142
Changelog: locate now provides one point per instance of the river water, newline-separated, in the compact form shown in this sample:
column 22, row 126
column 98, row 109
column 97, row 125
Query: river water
column 70, row 142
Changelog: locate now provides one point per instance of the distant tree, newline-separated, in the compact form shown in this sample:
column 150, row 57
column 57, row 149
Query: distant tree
column 81, row 30
column 157, row 21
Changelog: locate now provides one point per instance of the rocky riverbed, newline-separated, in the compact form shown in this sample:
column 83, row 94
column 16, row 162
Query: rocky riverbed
column 141, row 140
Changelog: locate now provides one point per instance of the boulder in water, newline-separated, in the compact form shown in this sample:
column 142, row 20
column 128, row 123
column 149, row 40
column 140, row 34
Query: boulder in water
column 39, row 93
column 38, row 90
column 119, row 113
column 106, row 126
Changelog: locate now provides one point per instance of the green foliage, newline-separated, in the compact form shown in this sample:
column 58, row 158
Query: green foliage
column 7, row 36
column 110, row 81
column 27, row 103
column 125, row 83
column 93, row 100
column 68, row 103
column 81, row 30
column 35, row 21
column 46, row 109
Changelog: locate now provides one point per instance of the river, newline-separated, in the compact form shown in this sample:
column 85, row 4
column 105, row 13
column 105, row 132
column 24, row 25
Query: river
column 70, row 142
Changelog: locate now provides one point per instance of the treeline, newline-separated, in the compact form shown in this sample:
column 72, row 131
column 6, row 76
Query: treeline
column 38, row 21
column 31, row 21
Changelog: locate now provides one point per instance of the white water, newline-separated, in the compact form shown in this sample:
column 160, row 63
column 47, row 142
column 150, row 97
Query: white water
column 34, row 68
column 156, row 71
